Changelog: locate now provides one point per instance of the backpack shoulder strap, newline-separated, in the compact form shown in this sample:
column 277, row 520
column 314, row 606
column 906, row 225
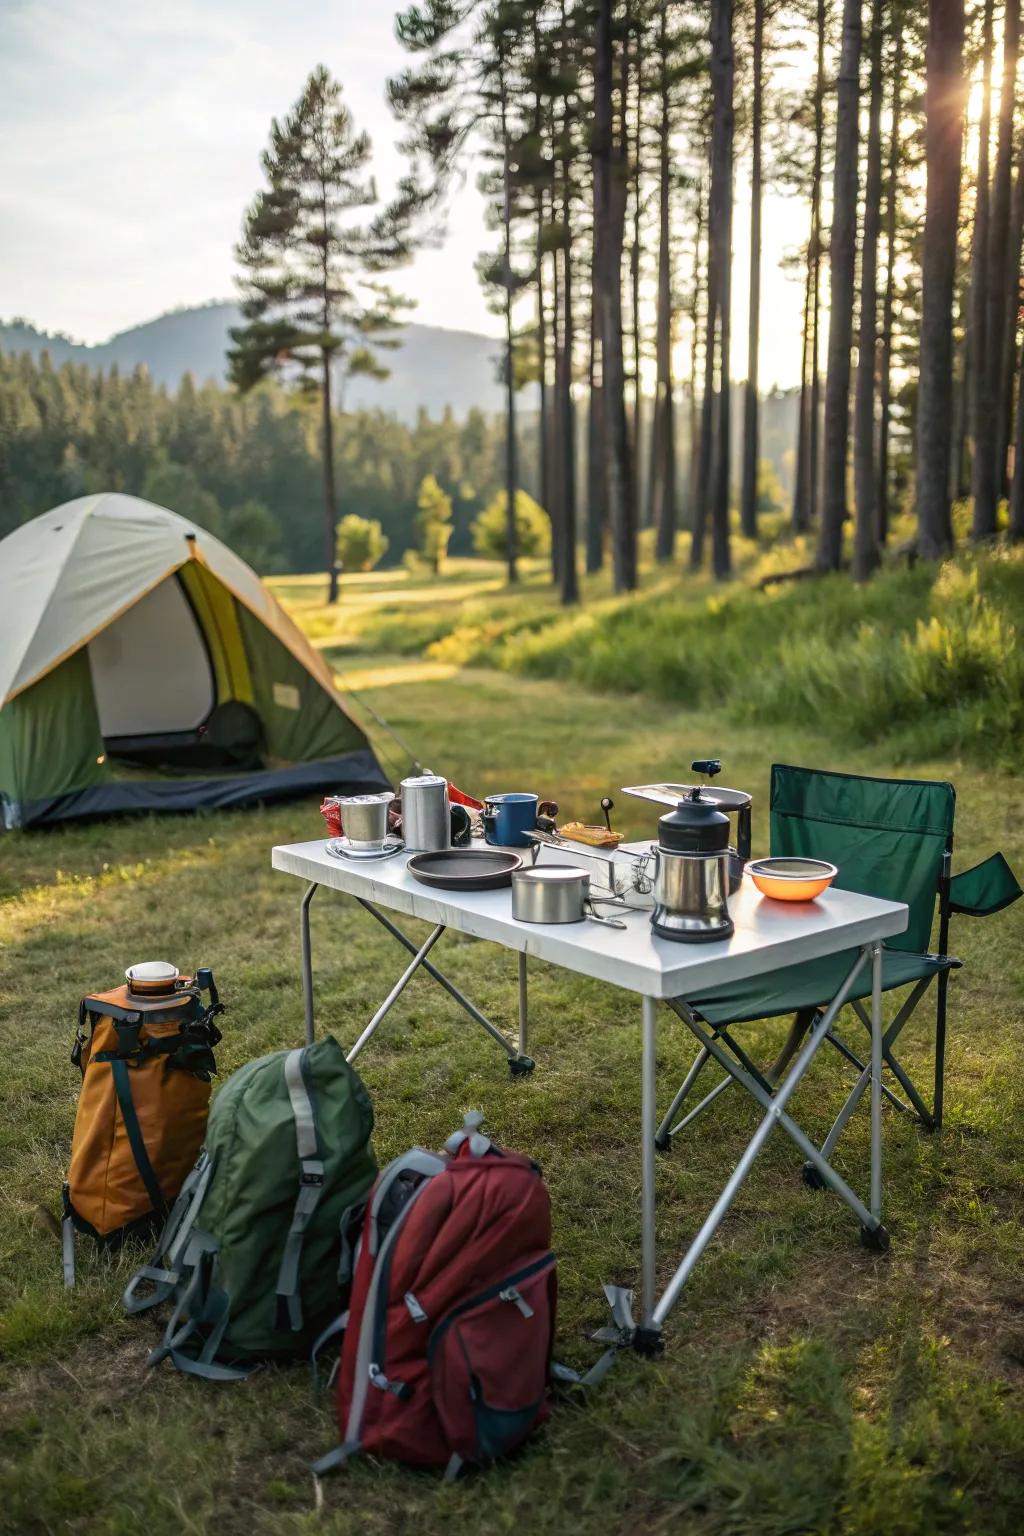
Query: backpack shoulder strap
column 416, row 1160
column 311, row 1186
column 163, row 1272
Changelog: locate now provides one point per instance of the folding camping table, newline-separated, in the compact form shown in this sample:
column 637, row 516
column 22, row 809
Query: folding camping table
column 768, row 935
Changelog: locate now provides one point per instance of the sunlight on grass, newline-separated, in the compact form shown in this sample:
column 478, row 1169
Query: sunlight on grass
column 395, row 676
column 806, row 1386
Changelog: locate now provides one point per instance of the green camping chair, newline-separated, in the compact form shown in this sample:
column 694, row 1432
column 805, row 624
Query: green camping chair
column 891, row 838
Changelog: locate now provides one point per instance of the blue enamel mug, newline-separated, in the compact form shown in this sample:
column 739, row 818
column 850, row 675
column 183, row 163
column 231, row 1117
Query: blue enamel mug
column 508, row 818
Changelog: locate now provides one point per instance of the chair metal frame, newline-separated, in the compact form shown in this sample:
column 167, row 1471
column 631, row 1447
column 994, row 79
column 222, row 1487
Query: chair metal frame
column 716, row 1042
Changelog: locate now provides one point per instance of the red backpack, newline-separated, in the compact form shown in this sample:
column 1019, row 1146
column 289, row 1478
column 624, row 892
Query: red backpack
column 447, row 1347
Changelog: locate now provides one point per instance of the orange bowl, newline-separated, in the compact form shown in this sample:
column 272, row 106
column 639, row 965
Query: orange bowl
column 792, row 879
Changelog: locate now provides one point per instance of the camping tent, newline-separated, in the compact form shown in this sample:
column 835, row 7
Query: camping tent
column 143, row 666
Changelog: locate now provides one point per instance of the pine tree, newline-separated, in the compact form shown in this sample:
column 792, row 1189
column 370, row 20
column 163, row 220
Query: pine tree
column 944, row 117
column 842, row 268
column 313, row 306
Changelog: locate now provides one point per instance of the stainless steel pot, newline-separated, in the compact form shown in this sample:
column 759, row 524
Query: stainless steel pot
column 364, row 819
column 690, row 895
column 554, row 893
column 426, row 815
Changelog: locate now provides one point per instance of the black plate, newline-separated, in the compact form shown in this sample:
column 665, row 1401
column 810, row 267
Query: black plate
column 459, row 869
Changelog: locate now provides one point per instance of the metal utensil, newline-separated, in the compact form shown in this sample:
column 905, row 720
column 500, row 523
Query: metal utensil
column 607, row 805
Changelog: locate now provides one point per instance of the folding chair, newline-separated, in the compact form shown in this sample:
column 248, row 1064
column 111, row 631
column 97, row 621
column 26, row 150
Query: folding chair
column 891, row 838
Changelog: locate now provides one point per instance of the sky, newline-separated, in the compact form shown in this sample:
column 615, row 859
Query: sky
column 130, row 139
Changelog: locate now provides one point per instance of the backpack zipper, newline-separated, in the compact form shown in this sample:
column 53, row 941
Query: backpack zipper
column 505, row 1290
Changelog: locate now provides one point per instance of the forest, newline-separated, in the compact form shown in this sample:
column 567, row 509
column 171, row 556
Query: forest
column 247, row 469
column 616, row 141
column 616, row 131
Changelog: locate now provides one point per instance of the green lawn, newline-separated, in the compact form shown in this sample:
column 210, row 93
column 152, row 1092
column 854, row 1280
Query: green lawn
column 806, row 1385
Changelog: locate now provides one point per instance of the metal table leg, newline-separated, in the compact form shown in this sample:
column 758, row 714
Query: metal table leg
column 876, row 1081
column 397, row 990
column 648, row 1119
column 307, row 960
column 524, row 1019
column 519, row 1063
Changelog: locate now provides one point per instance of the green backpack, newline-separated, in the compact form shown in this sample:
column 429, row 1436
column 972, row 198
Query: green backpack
column 254, row 1253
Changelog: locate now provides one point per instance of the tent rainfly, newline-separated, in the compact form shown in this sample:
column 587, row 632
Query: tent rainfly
column 145, row 667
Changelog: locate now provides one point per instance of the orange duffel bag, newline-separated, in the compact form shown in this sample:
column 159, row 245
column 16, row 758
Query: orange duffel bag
column 146, row 1055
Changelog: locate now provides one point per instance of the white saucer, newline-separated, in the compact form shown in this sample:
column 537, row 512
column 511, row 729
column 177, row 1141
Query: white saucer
column 341, row 848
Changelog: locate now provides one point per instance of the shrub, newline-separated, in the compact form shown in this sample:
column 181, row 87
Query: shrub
column 434, row 522
column 361, row 543
column 533, row 528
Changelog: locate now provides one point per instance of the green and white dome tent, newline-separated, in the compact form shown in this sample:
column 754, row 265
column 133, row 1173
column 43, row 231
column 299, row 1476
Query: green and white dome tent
column 144, row 666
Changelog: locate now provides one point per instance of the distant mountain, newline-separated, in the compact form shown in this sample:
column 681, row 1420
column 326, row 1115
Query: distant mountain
column 433, row 368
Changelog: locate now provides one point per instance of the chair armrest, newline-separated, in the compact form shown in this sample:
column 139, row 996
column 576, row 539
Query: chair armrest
column 986, row 888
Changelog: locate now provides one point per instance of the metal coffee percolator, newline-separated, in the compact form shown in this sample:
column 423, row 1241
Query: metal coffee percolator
column 692, row 865
column 426, row 815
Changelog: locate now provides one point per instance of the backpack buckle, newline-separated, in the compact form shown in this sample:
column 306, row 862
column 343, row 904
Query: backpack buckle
column 312, row 1172
column 128, row 1031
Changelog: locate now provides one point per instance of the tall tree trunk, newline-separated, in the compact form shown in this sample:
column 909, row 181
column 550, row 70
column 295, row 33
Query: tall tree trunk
column 865, row 546
column 511, row 470
column 663, row 435
column 1017, row 486
column 330, row 504
column 543, row 433
column 707, row 403
column 715, row 426
column 814, row 433
column 610, row 168
column 544, row 438
column 801, row 479
column 554, row 431
column 805, row 490
column 842, row 268
column 889, row 301
column 723, row 69
column 944, row 118
column 567, row 412
column 1005, row 262
column 981, row 463
column 748, row 494
column 596, row 480
column 634, row 276
column 696, row 289
column 1013, row 280
column 987, row 474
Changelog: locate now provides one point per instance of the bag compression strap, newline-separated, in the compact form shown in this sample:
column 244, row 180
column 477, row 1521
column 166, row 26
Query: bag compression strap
column 163, row 1272
column 311, row 1187
column 123, row 1088
column 201, row 1303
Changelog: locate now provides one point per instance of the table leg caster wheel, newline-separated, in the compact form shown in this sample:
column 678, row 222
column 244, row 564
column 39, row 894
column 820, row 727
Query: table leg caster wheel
column 521, row 1066
column 811, row 1176
column 875, row 1239
column 648, row 1341
column 663, row 1143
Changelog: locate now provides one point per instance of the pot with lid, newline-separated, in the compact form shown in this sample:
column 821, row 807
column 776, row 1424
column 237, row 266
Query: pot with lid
column 153, row 978
column 692, row 871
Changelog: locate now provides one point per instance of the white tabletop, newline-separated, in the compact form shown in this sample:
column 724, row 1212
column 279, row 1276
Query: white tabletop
column 769, row 934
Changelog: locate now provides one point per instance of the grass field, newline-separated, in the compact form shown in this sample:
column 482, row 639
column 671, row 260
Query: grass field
column 807, row 1387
